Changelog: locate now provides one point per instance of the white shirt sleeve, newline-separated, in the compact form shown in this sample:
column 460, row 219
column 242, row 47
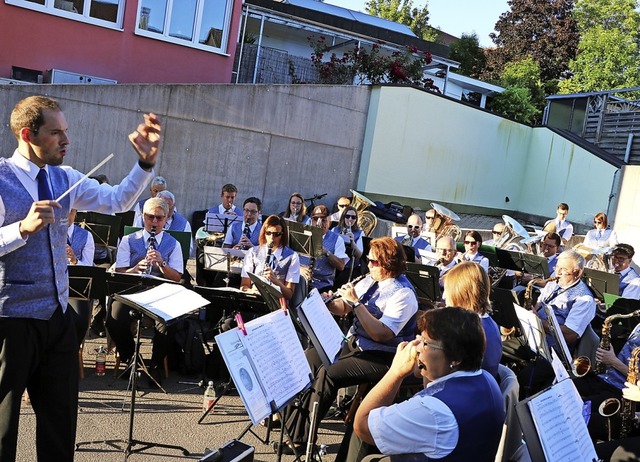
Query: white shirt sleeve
column 86, row 259
column 581, row 313
column 123, row 256
column 340, row 250
column 293, row 275
column 175, row 261
column 398, row 309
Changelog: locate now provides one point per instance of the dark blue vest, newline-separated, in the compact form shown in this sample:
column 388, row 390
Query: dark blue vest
column 138, row 249
column 478, row 407
column 236, row 233
column 323, row 272
column 79, row 240
column 178, row 222
column 282, row 267
column 33, row 278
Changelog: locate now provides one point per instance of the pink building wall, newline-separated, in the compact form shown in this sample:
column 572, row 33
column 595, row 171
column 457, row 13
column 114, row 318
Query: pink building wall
column 41, row 41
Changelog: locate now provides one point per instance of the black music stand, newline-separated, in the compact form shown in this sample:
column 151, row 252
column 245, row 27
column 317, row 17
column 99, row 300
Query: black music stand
column 521, row 261
column 305, row 239
column 86, row 282
column 502, row 310
column 270, row 294
column 104, row 229
column 130, row 443
column 219, row 222
column 601, row 282
column 426, row 280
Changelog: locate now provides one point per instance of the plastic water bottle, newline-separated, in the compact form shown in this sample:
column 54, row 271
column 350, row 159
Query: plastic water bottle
column 101, row 361
column 209, row 397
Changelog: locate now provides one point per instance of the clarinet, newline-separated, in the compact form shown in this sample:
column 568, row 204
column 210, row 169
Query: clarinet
column 152, row 246
column 355, row 281
column 267, row 261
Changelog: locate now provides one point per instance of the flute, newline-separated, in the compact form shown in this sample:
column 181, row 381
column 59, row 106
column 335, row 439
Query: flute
column 337, row 295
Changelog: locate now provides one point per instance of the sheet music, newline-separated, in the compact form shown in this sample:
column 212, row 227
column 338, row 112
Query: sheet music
column 273, row 352
column 557, row 416
column 531, row 329
column 168, row 301
column 324, row 326
column 560, row 341
column 558, row 367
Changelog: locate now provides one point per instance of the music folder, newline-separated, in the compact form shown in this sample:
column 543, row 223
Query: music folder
column 321, row 327
column 165, row 303
column 601, row 282
column 503, row 310
column 86, row 282
column 270, row 293
column 426, row 281
column 266, row 362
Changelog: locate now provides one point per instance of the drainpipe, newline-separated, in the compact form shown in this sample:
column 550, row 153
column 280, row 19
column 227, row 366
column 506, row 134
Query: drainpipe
column 255, row 67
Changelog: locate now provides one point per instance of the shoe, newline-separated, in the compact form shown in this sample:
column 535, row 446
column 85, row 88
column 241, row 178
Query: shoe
column 287, row 449
column 156, row 374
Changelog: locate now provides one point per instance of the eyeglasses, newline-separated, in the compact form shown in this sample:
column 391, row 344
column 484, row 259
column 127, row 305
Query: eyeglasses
column 414, row 226
column 471, row 242
column 433, row 346
column 548, row 246
column 598, row 222
column 273, row 233
column 565, row 271
column 373, row 262
column 154, row 217
column 296, row 203
column 445, row 251
column 249, row 211
column 343, row 205
column 427, row 217
column 496, row 232
column 350, row 217
column 619, row 257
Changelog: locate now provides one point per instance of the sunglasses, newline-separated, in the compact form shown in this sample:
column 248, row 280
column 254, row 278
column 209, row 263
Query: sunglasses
column 373, row 262
column 273, row 233
column 414, row 226
column 352, row 217
column 343, row 205
column 598, row 222
column 496, row 232
column 471, row 242
column 154, row 217
column 429, row 218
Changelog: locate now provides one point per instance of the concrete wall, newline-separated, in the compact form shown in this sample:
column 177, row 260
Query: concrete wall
column 626, row 217
column 428, row 148
column 268, row 140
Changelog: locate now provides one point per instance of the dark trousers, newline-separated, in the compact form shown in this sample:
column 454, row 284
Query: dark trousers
column 118, row 324
column 81, row 315
column 353, row 368
column 41, row 356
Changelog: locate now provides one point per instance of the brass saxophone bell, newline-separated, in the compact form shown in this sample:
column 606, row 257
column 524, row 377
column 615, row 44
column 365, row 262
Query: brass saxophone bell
column 581, row 366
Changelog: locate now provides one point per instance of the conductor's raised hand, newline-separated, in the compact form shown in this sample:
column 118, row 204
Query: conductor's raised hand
column 146, row 139
column 40, row 215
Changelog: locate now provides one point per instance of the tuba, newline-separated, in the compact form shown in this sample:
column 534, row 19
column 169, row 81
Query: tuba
column 605, row 340
column 205, row 238
column 443, row 225
column 628, row 412
column 367, row 221
column 512, row 231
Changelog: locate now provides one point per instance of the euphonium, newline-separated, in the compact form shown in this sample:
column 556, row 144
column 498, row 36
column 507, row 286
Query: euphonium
column 605, row 340
column 628, row 411
column 528, row 302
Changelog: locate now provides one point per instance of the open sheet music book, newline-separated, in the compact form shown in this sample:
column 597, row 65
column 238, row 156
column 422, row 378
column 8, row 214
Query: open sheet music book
column 267, row 363
column 166, row 302
column 557, row 417
column 322, row 329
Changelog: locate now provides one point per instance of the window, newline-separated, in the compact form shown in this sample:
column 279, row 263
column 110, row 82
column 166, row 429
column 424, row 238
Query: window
column 198, row 23
column 100, row 12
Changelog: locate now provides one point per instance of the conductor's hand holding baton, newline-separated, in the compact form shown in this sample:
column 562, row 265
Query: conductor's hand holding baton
column 40, row 215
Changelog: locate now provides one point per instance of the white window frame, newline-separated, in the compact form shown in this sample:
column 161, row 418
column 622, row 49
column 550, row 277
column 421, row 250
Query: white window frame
column 195, row 41
column 83, row 16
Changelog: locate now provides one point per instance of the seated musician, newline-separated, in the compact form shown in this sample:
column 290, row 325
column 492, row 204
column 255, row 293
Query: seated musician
column 550, row 246
column 333, row 257
column 283, row 266
column 351, row 234
column 570, row 299
column 296, row 210
column 457, row 417
column 228, row 197
column 384, row 305
column 342, row 203
column 412, row 238
column 467, row 285
column 136, row 255
column 244, row 234
column 600, row 236
column 80, row 250
column 430, row 222
column 472, row 243
column 157, row 184
column 621, row 259
column 560, row 225
column 175, row 221
column 447, row 256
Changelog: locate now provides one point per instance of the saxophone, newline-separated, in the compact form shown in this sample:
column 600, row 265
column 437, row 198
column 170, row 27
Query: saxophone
column 628, row 419
column 528, row 302
column 605, row 340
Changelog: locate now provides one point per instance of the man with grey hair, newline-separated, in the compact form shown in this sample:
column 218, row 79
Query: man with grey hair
column 157, row 184
column 570, row 299
column 175, row 221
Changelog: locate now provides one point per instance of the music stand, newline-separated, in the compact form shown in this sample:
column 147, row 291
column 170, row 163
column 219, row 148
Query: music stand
column 521, row 261
column 409, row 253
column 86, row 282
column 163, row 310
column 219, row 222
column 601, row 282
column 305, row 239
column 104, row 228
column 503, row 311
column 270, row 294
column 426, row 280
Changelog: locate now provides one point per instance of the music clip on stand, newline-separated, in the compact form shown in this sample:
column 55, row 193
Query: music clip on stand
column 130, row 443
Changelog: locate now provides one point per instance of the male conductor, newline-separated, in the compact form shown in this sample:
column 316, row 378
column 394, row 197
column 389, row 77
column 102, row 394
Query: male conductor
column 38, row 347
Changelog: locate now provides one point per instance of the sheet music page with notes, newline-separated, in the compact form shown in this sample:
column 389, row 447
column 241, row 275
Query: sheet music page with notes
column 168, row 301
column 267, row 364
column 324, row 326
column 557, row 415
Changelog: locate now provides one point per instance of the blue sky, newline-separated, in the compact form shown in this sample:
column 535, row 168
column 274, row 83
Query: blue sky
column 453, row 16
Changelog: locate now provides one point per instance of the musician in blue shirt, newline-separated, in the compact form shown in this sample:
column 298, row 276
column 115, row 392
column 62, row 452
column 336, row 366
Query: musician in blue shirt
column 245, row 234
column 412, row 238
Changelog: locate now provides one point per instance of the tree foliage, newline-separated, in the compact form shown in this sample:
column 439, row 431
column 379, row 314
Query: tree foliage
column 542, row 29
column 608, row 54
column 403, row 12
column 515, row 102
column 468, row 53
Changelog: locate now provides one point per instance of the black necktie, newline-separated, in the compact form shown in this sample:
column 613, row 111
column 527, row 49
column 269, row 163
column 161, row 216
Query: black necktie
column 44, row 193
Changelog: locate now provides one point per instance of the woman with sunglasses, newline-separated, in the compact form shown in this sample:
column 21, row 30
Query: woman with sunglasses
column 600, row 236
column 351, row 233
column 272, row 259
column 296, row 210
column 472, row 243
column 458, row 416
column 384, row 306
